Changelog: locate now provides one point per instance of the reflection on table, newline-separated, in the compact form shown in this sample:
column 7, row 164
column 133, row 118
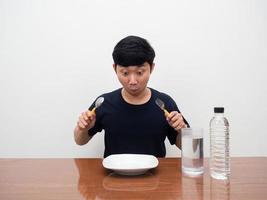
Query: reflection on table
column 27, row 179
column 192, row 188
column 151, row 185
column 219, row 189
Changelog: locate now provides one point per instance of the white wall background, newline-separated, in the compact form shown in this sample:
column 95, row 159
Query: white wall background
column 55, row 58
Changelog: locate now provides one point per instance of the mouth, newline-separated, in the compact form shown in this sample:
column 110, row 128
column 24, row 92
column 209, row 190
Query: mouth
column 133, row 90
column 133, row 87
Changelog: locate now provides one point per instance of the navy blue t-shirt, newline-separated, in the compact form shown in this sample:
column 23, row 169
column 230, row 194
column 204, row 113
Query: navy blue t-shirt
column 139, row 129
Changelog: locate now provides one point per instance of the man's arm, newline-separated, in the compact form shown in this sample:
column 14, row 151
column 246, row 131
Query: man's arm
column 86, row 121
column 81, row 137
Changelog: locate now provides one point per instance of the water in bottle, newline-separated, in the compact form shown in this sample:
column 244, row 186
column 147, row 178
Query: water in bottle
column 219, row 145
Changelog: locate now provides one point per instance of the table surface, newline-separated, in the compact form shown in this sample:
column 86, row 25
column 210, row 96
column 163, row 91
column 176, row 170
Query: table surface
column 86, row 179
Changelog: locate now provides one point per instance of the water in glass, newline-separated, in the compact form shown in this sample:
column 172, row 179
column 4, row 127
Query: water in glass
column 192, row 152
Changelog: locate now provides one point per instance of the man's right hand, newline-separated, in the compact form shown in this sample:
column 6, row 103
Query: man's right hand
column 86, row 120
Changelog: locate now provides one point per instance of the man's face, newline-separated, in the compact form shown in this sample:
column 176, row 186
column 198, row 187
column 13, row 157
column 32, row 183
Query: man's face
column 134, row 79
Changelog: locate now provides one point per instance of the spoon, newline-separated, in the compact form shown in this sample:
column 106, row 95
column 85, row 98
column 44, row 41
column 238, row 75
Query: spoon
column 161, row 104
column 98, row 103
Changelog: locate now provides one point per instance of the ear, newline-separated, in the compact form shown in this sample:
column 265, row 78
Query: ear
column 152, row 67
column 114, row 67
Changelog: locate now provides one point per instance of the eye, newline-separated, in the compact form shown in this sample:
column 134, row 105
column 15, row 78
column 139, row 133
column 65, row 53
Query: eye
column 140, row 73
column 125, row 73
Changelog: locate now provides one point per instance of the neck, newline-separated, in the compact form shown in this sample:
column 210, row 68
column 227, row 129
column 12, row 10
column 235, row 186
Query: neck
column 137, row 99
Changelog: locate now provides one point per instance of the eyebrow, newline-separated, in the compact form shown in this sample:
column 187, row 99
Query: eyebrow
column 123, row 69
column 142, row 65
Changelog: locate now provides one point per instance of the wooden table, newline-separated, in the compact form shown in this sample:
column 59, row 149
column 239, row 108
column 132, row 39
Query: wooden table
column 66, row 179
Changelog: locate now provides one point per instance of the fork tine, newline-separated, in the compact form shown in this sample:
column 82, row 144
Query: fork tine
column 160, row 103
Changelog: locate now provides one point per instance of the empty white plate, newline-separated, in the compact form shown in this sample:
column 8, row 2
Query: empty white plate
column 130, row 164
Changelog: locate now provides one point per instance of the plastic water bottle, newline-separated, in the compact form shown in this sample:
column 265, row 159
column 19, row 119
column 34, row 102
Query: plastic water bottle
column 219, row 145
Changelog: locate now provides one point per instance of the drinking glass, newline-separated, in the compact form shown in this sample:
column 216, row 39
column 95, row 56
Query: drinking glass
column 192, row 151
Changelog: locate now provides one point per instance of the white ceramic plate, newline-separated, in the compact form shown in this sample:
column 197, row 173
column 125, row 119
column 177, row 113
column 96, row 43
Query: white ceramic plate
column 130, row 164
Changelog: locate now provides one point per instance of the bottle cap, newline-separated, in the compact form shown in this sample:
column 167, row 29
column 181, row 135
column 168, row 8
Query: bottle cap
column 218, row 109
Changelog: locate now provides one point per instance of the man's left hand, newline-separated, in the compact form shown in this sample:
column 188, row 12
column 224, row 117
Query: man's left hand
column 176, row 120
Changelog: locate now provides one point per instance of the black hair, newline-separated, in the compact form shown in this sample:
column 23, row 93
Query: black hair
column 133, row 51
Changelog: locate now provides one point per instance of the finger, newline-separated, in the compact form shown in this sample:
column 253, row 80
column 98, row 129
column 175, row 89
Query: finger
column 177, row 121
column 180, row 118
column 176, row 117
column 88, row 118
column 170, row 116
column 80, row 125
column 85, row 116
column 180, row 126
column 85, row 123
column 175, row 124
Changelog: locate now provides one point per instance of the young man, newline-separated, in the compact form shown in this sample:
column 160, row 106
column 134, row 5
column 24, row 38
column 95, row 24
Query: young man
column 132, row 121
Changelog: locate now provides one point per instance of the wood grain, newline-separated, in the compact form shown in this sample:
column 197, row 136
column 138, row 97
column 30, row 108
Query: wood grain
column 86, row 179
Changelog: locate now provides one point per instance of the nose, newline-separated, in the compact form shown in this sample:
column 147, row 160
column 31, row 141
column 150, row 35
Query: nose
column 132, row 79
